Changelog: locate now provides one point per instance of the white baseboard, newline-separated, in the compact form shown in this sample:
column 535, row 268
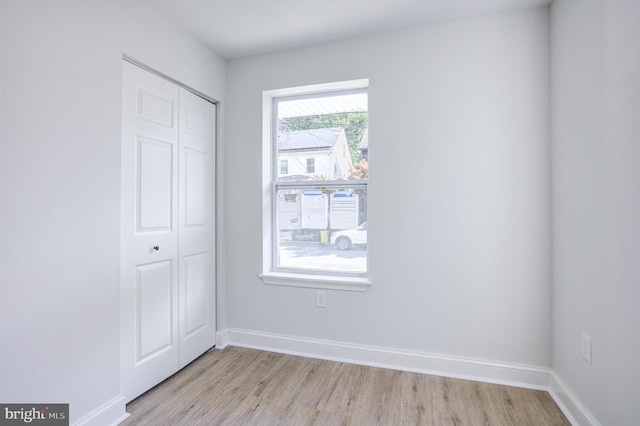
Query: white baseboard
column 461, row 368
column 571, row 406
column 221, row 339
column 109, row 414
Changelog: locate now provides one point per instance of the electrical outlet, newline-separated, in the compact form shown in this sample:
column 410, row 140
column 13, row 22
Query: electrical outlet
column 586, row 347
column 321, row 299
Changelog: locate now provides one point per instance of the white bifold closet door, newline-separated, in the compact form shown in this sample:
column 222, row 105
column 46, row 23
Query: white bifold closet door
column 168, row 232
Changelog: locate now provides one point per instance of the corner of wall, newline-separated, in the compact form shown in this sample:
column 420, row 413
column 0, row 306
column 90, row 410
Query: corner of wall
column 111, row 413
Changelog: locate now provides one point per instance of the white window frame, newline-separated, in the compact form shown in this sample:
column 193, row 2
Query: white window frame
column 277, row 276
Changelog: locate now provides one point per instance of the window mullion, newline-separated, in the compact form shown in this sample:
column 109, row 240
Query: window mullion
column 317, row 184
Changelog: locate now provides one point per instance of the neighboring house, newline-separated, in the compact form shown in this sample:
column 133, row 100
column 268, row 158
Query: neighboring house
column 303, row 154
column 364, row 144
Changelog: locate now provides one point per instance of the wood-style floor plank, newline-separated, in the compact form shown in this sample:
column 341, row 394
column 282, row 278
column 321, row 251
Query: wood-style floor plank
column 239, row 386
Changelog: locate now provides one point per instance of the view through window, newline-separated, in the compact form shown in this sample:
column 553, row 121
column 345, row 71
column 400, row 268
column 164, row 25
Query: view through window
column 320, row 142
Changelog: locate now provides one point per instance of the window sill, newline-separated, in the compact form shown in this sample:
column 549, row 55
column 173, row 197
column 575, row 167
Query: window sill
column 328, row 282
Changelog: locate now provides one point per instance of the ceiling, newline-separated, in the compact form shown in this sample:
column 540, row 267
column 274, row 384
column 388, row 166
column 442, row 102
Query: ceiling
column 237, row 28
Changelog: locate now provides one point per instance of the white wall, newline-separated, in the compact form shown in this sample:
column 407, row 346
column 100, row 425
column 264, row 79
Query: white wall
column 459, row 128
column 596, row 203
column 458, row 132
column 60, row 113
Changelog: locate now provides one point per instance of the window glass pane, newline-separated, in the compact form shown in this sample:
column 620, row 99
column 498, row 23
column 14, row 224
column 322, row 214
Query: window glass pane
column 322, row 228
column 322, row 137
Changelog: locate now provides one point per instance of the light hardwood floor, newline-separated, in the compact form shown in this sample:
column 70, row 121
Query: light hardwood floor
column 239, row 386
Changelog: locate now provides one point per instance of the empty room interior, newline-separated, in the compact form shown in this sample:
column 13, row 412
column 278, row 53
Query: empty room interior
column 151, row 176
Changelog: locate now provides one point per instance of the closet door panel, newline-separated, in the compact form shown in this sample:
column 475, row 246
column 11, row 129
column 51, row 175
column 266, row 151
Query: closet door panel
column 153, row 311
column 149, row 230
column 196, row 226
column 196, row 292
column 196, row 198
column 154, row 181
column 167, row 229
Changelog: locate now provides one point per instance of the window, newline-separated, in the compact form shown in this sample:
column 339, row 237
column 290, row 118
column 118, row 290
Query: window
column 315, row 205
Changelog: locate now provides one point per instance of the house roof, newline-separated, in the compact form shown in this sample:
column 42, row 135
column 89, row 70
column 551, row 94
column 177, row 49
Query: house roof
column 309, row 140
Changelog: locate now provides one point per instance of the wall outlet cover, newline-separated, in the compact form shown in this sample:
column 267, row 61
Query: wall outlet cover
column 321, row 299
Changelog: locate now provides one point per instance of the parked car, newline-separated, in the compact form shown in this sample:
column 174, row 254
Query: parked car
column 346, row 239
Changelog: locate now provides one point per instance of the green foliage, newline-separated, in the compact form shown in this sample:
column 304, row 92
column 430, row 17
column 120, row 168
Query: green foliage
column 353, row 123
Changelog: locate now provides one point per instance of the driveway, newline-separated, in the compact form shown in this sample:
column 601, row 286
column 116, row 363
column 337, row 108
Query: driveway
column 324, row 257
